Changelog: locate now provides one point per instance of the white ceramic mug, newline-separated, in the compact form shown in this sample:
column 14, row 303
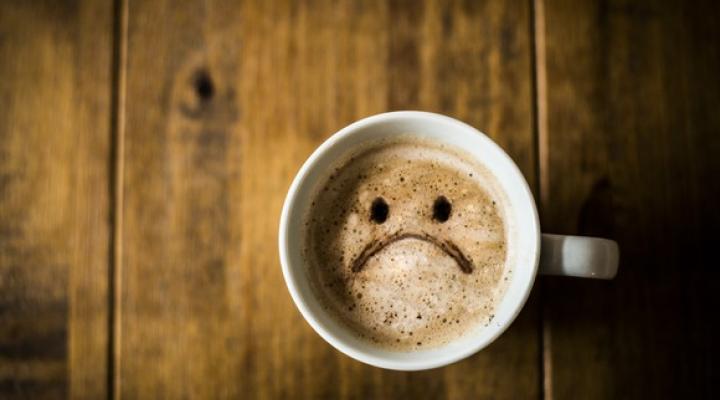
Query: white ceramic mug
column 529, row 251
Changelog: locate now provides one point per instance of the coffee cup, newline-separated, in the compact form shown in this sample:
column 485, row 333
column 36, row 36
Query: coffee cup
column 532, row 251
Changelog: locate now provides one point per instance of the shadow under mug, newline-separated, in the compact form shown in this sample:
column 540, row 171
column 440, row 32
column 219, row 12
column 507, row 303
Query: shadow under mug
column 529, row 251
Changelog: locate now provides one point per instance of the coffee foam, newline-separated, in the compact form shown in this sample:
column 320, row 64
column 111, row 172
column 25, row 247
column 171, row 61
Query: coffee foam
column 410, row 293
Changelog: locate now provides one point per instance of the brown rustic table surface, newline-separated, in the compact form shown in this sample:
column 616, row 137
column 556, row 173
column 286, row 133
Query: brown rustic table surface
column 146, row 147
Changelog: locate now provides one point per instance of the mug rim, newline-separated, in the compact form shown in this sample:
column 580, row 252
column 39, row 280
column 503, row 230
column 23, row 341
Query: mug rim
column 290, row 278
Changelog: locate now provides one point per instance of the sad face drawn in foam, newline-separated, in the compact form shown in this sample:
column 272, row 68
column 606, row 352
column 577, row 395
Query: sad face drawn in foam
column 407, row 245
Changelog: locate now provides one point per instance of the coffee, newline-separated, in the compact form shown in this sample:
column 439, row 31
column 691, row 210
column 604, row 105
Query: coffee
column 406, row 243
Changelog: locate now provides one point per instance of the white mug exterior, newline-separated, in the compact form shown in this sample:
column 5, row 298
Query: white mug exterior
column 579, row 256
column 523, row 235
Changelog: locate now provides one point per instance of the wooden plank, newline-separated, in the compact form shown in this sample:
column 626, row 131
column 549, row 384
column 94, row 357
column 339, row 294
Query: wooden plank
column 633, row 94
column 55, row 64
column 224, row 102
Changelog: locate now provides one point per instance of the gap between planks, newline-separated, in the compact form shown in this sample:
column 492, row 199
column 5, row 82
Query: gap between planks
column 117, row 126
column 540, row 122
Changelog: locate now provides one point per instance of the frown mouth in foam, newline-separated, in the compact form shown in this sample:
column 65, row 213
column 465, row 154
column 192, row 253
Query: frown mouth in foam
column 406, row 244
column 447, row 246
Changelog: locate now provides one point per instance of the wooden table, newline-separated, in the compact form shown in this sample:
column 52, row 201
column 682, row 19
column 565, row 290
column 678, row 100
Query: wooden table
column 146, row 147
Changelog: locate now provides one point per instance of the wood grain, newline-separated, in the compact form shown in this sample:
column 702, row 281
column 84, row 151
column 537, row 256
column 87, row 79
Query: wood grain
column 632, row 109
column 225, row 100
column 55, row 65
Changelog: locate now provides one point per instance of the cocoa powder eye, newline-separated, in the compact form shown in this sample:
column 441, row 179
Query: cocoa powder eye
column 441, row 209
column 379, row 210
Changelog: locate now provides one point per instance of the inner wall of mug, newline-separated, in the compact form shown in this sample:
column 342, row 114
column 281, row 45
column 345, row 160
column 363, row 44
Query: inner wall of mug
column 520, row 219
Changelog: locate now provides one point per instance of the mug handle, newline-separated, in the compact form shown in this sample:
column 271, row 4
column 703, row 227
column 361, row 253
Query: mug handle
column 579, row 256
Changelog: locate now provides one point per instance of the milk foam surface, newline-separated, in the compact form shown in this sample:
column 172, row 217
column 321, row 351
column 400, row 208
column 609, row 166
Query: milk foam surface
column 410, row 292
